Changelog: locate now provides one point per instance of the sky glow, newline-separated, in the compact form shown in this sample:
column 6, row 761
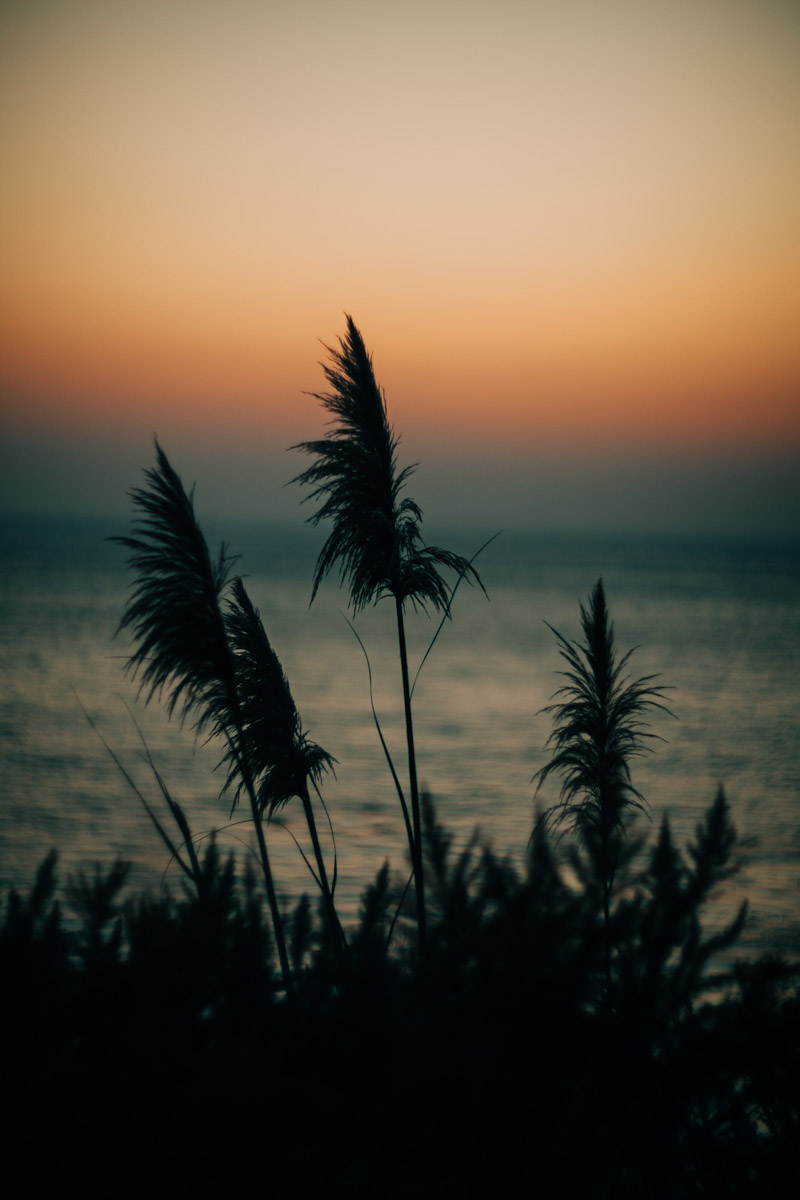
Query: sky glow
column 568, row 228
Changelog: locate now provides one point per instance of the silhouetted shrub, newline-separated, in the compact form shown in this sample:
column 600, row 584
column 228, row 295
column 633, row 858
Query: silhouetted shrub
column 150, row 1043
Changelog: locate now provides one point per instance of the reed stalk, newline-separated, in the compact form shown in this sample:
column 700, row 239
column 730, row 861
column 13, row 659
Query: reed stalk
column 416, row 822
column 202, row 642
column 598, row 728
column 375, row 538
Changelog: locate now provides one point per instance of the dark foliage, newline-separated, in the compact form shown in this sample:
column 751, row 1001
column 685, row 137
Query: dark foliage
column 148, row 1048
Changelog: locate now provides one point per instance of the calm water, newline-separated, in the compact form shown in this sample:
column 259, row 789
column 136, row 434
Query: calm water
column 719, row 622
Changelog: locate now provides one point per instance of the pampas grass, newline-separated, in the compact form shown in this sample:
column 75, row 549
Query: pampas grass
column 199, row 641
column 376, row 537
column 598, row 728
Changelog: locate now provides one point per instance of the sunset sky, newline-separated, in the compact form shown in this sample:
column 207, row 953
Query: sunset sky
column 569, row 233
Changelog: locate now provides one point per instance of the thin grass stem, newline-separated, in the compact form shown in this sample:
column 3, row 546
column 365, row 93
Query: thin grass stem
column 389, row 760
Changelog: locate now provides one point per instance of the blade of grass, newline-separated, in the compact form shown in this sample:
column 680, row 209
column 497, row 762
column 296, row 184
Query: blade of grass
column 449, row 605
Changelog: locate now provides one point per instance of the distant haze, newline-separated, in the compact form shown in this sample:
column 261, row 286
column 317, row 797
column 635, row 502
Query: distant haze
column 728, row 494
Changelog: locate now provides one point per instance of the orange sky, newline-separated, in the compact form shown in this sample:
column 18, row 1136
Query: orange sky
column 551, row 222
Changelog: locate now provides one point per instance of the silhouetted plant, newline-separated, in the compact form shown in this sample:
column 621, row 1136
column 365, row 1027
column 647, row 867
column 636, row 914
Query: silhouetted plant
column 376, row 539
column 280, row 756
column 190, row 865
column 457, row 900
column 215, row 664
column 32, row 937
column 496, row 1054
column 598, row 729
column 370, row 941
column 664, row 954
column 97, row 902
column 710, row 864
column 301, row 933
column 210, row 951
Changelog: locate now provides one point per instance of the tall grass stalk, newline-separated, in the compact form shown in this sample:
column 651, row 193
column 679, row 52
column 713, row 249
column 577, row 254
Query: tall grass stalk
column 599, row 727
column 375, row 537
column 214, row 662
column 280, row 755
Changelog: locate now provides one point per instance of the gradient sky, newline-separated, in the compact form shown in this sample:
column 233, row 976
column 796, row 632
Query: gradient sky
column 570, row 234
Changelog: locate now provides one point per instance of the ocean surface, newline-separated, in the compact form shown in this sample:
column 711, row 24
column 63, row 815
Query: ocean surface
column 717, row 621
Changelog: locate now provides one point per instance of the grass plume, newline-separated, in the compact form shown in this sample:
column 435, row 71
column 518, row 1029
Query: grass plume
column 598, row 727
column 202, row 643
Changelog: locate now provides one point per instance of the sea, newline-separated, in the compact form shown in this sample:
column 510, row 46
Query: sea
column 716, row 620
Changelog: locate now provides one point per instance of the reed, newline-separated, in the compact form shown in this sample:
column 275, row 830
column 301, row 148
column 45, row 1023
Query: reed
column 375, row 538
column 599, row 728
column 198, row 639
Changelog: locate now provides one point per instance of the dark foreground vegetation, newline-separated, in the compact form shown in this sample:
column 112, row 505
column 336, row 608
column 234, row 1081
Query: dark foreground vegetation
column 152, row 1049
column 582, row 1027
